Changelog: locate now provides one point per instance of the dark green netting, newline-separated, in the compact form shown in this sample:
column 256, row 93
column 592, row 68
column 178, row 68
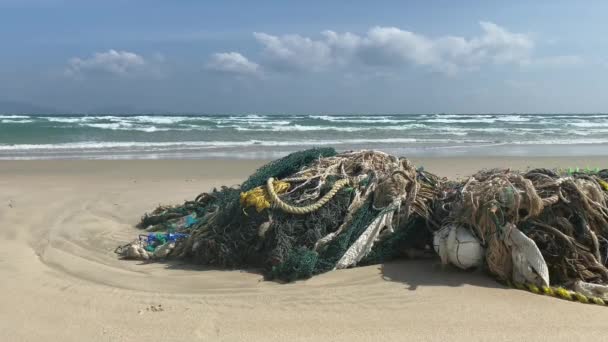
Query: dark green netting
column 279, row 168
column 300, row 264
column 228, row 241
column 334, row 250
column 164, row 216
column 312, row 262
column 286, row 166
column 283, row 245
column 414, row 234
column 232, row 238
column 291, row 231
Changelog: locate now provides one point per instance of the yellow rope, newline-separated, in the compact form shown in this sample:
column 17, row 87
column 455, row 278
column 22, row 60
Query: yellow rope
column 603, row 184
column 559, row 292
column 259, row 198
column 306, row 209
column 262, row 197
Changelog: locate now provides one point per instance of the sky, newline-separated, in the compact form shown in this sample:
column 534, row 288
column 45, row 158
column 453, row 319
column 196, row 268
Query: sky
column 306, row 56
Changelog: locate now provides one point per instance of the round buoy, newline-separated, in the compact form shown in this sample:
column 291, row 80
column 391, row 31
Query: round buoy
column 458, row 246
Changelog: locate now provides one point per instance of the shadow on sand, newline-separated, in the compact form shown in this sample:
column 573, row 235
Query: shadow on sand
column 430, row 272
column 185, row 265
column 410, row 272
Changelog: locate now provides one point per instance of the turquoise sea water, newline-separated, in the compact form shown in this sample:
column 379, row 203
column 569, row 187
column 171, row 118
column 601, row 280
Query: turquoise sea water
column 270, row 136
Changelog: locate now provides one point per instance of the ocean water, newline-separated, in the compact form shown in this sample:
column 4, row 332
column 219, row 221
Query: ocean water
column 271, row 136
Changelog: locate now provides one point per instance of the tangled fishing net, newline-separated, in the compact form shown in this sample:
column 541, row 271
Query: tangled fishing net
column 541, row 228
column 316, row 210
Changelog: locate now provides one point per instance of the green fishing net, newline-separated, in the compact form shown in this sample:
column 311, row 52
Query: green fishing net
column 282, row 245
column 286, row 166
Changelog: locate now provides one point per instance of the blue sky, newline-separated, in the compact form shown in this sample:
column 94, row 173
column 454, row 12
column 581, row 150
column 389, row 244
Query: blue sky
column 306, row 57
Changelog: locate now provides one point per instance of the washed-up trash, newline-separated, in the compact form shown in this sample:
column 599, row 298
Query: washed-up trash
column 314, row 211
column 175, row 224
column 456, row 245
column 163, row 250
column 150, row 246
column 528, row 263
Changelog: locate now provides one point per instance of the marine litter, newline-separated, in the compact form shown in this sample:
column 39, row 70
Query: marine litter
column 314, row 211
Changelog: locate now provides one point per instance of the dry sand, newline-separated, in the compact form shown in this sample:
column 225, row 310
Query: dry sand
column 60, row 280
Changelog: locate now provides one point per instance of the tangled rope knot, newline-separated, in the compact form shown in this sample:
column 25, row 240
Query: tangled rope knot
column 276, row 201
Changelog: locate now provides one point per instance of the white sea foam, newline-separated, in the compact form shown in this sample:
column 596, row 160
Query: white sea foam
column 562, row 142
column 15, row 121
column 127, row 126
column 451, row 116
column 65, row 120
column 302, row 128
column 263, row 123
column 134, row 146
column 360, row 119
column 466, row 130
column 112, row 126
column 14, row 116
column 85, row 118
column 461, row 120
column 580, row 116
column 512, row 118
column 90, row 145
column 589, row 124
column 164, row 120
column 246, row 118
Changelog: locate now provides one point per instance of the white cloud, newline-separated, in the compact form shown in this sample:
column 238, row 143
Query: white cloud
column 501, row 45
column 112, row 62
column 390, row 47
column 233, row 62
column 294, row 52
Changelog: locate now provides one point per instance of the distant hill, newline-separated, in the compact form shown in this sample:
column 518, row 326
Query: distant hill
column 14, row 107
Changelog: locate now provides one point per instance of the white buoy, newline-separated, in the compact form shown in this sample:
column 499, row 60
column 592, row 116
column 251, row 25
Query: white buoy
column 440, row 244
column 458, row 246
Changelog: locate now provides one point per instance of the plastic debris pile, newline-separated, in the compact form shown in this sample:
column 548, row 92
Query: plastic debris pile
column 315, row 211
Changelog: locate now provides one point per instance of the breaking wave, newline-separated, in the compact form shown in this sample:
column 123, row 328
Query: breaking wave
column 145, row 133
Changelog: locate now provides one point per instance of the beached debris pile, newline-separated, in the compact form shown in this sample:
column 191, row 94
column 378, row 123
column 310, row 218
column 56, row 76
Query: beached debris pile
column 304, row 214
column 317, row 210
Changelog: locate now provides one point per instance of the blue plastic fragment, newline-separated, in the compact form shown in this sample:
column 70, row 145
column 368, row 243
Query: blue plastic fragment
column 190, row 220
column 156, row 239
column 171, row 237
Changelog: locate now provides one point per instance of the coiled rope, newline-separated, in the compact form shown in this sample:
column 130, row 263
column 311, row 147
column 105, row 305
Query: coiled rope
column 276, row 201
column 559, row 292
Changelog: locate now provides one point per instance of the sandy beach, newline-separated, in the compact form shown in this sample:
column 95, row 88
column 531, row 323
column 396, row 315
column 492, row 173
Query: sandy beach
column 60, row 222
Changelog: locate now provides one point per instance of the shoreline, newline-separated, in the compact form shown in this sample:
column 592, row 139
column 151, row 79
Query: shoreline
column 450, row 167
column 270, row 152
